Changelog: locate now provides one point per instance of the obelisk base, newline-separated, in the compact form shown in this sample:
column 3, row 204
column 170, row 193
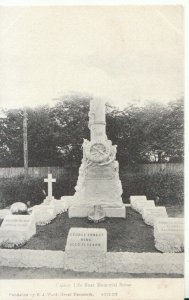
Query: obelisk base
column 83, row 211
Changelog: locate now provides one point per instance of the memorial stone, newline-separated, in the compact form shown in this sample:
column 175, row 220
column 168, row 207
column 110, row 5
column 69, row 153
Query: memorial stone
column 86, row 249
column 136, row 199
column 169, row 234
column 87, row 239
column 98, row 182
column 50, row 196
column 150, row 214
column 144, row 204
column 16, row 230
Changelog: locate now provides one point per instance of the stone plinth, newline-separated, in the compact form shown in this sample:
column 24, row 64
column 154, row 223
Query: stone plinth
column 169, row 234
column 110, row 212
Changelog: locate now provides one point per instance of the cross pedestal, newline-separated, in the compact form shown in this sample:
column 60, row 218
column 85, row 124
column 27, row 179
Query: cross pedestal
column 49, row 180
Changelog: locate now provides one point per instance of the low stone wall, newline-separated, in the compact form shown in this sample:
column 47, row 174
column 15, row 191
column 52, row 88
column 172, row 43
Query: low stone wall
column 31, row 258
column 116, row 262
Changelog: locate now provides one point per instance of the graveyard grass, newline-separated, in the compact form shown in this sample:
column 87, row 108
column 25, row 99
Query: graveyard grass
column 120, row 238
column 125, row 235
column 130, row 234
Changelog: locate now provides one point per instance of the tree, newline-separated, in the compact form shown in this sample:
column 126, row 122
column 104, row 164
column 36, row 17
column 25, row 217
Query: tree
column 70, row 126
column 11, row 139
column 55, row 134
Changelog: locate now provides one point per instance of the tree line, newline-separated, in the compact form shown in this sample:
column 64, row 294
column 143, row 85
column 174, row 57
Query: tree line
column 55, row 134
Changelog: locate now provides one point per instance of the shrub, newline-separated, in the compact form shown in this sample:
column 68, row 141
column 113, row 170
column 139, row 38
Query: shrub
column 16, row 189
column 169, row 187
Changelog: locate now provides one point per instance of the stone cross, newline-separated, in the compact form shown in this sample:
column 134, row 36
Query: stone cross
column 50, row 180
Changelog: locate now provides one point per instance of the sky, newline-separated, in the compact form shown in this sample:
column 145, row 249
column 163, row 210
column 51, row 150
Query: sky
column 123, row 54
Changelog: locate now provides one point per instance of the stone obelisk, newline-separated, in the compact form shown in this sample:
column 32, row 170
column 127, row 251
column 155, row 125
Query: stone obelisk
column 98, row 182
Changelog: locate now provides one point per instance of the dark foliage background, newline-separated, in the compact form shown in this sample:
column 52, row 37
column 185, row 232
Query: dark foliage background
column 169, row 188
column 55, row 137
column 55, row 134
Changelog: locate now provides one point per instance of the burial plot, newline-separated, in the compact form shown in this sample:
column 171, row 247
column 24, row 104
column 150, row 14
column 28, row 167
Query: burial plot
column 150, row 214
column 16, row 230
column 86, row 249
column 169, row 234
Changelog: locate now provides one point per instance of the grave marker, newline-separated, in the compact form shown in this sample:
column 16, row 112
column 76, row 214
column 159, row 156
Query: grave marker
column 16, row 230
column 169, row 234
column 136, row 199
column 140, row 205
column 150, row 214
column 49, row 181
column 86, row 249
column 87, row 239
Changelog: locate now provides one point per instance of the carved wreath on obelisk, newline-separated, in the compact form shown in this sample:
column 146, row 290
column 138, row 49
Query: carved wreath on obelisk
column 97, row 151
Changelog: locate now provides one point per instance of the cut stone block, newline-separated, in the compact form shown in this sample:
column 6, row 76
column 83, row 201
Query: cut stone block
column 150, row 214
column 169, row 234
column 135, row 199
column 79, row 211
column 115, row 212
column 90, row 261
column 87, row 239
column 82, row 212
column 139, row 206
column 16, row 230
column 86, row 249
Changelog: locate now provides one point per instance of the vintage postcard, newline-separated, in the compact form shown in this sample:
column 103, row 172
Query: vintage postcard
column 92, row 102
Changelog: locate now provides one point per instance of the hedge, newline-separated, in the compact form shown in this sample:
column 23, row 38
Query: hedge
column 169, row 188
column 16, row 189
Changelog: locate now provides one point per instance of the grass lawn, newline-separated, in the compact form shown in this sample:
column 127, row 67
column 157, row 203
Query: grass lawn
column 130, row 234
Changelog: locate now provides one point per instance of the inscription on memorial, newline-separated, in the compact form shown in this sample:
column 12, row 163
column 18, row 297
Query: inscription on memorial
column 155, row 211
column 170, row 225
column 87, row 239
column 16, row 222
column 100, row 173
